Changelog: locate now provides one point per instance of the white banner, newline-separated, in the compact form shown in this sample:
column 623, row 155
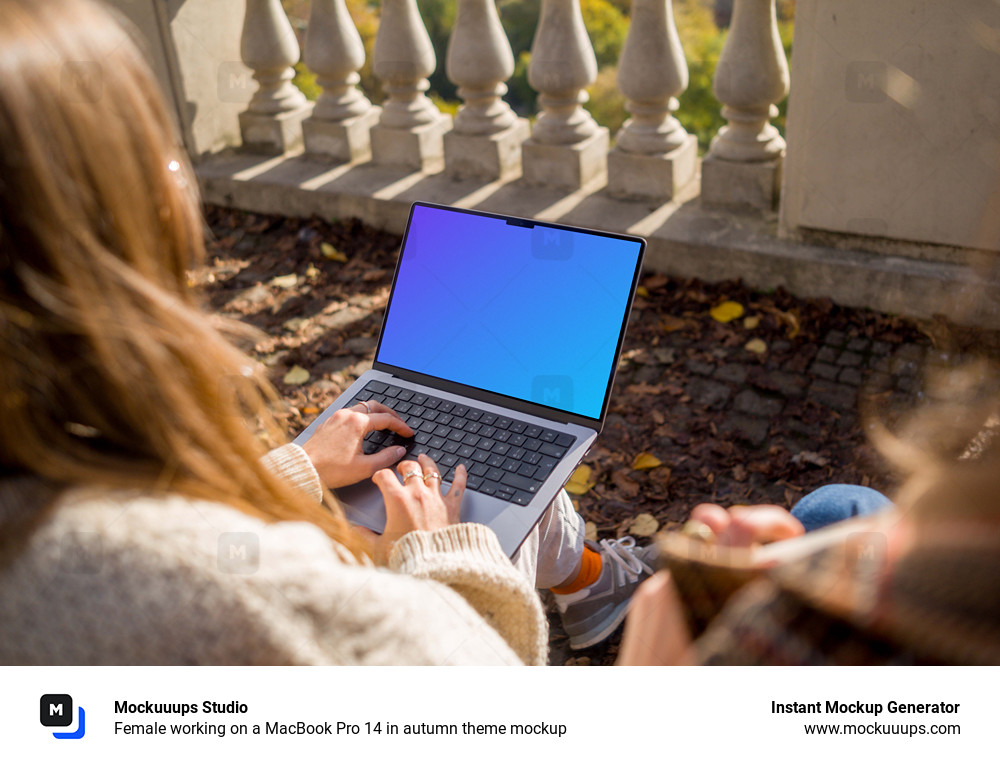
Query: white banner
column 183, row 716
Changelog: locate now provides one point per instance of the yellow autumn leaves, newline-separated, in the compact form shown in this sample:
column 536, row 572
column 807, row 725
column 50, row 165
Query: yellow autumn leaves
column 331, row 253
column 727, row 311
column 580, row 483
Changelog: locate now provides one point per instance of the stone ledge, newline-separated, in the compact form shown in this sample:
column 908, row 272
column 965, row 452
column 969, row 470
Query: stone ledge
column 685, row 239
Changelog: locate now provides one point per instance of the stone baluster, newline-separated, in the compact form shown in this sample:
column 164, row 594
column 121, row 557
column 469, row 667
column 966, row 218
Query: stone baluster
column 486, row 140
column 272, row 122
column 409, row 132
column 343, row 118
column 653, row 156
column 743, row 165
column 567, row 148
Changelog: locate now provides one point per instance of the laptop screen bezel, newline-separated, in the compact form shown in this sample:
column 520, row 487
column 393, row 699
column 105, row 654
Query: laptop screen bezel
column 492, row 397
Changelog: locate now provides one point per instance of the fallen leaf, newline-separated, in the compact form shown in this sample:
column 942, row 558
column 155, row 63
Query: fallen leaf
column 310, row 410
column 665, row 355
column 756, row 346
column 726, row 311
column 579, row 483
column 332, row 253
column 637, row 389
column 644, row 461
column 286, row 280
column 272, row 359
column 590, row 531
column 312, row 272
column 628, row 486
column 739, row 472
column 296, row 376
column 655, row 282
column 640, row 290
column 671, row 324
column 643, row 525
column 660, row 475
column 792, row 320
column 813, row 458
column 294, row 324
column 750, row 323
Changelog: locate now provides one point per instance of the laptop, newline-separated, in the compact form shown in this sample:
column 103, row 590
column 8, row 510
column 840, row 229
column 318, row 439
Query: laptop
column 499, row 346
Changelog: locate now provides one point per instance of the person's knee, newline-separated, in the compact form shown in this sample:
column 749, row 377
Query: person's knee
column 837, row 502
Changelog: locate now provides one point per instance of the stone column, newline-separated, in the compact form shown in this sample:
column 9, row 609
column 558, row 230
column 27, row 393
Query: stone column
column 743, row 165
column 653, row 156
column 272, row 122
column 567, row 147
column 486, row 140
column 409, row 132
column 343, row 118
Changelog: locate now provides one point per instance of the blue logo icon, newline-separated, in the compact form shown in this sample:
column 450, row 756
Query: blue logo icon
column 57, row 710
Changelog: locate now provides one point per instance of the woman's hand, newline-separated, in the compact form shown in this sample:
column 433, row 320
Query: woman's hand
column 414, row 502
column 745, row 525
column 335, row 448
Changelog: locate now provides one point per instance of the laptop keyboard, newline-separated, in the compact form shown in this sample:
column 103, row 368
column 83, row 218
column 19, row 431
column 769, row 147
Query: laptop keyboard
column 506, row 458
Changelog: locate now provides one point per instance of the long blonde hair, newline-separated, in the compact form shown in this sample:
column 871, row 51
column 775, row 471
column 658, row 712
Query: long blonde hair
column 110, row 373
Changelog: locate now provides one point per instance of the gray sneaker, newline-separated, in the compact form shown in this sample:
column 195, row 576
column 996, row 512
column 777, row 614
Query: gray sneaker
column 591, row 614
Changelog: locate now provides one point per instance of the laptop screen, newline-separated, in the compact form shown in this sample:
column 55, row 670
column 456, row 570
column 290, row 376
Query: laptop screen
column 514, row 307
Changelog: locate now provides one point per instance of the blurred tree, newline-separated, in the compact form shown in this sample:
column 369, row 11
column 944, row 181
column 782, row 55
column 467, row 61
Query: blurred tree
column 607, row 104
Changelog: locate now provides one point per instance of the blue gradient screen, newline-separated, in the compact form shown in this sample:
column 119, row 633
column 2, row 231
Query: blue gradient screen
column 532, row 313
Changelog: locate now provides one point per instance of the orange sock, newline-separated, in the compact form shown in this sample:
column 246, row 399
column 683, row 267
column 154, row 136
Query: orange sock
column 590, row 570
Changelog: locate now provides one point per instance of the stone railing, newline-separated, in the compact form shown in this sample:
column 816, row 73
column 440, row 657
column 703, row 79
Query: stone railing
column 886, row 195
column 653, row 156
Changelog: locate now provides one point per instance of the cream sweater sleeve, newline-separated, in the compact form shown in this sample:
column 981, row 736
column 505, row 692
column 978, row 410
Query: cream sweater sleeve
column 468, row 558
column 291, row 463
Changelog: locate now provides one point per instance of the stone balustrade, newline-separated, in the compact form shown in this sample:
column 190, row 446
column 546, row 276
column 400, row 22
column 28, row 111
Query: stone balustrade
column 654, row 157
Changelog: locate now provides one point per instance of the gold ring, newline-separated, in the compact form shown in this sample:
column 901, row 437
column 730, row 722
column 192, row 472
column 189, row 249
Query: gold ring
column 410, row 474
column 367, row 408
column 434, row 475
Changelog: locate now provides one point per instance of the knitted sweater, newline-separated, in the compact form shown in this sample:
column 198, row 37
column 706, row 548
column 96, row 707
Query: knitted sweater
column 130, row 578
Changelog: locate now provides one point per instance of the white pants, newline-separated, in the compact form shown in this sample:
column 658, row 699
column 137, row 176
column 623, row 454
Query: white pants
column 551, row 553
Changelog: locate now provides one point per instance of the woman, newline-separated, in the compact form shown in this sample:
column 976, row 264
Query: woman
column 915, row 582
column 136, row 511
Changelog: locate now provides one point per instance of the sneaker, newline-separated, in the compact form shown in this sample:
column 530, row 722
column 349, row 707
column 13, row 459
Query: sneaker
column 593, row 613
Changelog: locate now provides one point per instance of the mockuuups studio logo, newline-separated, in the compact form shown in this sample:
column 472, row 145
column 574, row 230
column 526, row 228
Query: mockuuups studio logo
column 239, row 553
column 56, row 710
column 553, row 391
column 550, row 244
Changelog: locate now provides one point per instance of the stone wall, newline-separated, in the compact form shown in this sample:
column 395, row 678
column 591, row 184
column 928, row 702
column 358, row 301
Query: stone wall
column 894, row 122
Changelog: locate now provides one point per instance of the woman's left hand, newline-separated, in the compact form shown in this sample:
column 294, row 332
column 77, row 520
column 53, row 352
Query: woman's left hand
column 335, row 448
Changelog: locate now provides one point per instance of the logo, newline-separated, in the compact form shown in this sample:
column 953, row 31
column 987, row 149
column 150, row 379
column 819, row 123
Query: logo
column 57, row 710
column 549, row 244
column 866, row 82
column 553, row 391
column 239, row 553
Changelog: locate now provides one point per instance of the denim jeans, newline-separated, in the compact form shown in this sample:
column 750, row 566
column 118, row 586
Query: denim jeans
column 836, row 502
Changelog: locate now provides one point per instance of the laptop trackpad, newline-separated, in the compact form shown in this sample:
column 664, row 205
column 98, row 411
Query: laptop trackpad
column 363, row 506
